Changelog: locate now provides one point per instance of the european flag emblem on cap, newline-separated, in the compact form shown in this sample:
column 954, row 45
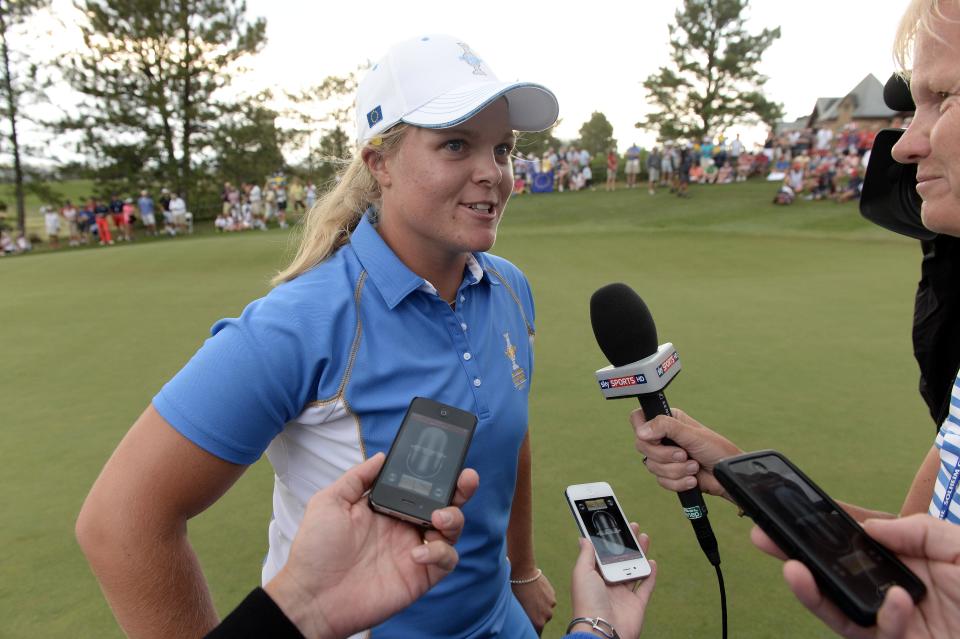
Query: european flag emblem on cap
column 374, row 116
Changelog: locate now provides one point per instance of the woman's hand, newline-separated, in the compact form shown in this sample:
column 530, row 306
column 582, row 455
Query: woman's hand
column 618, row 604
column 538, row 600
column 690, row 462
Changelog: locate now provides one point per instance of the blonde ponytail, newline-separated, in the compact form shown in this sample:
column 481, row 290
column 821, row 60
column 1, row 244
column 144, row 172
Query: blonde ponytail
column 328, row 224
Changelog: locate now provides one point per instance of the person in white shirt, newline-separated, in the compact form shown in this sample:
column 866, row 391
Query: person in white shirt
column 178, row 210
column 51, row 220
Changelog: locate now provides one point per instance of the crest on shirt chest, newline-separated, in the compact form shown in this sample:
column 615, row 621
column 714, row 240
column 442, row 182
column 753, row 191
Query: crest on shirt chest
column 516, row 372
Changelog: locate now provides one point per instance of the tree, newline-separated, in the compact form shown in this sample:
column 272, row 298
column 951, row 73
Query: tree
column 153, row 71
column 13, row 13
column 325, row 109
column 246, row 143
column 712, row 81
column 596, row 135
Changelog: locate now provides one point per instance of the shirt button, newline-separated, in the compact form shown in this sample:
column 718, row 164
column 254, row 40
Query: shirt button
column 463, row 326
column 462, row 299
column 476, row 381
column 467, row 356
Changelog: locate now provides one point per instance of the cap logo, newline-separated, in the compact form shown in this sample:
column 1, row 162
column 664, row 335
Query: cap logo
column 374, row 116
column 470, row 58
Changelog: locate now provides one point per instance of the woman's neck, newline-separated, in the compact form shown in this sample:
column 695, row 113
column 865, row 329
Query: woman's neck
column 443, row 270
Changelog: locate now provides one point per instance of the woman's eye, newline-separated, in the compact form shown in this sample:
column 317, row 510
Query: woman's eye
column 504, row 149
column 454, row 145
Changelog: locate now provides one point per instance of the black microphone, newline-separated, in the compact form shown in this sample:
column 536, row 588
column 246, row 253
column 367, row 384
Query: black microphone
column 626, row 334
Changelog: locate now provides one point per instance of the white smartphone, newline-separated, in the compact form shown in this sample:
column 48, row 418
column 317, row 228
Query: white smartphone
column 600, row 518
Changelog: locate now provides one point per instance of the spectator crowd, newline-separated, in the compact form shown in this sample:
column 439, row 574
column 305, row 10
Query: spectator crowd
column 814, row 164
column 120, row 219
column 818, row 164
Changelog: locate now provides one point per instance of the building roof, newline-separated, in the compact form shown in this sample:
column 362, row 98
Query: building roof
column 825, row 109
column 869, row 99
column 866, row 98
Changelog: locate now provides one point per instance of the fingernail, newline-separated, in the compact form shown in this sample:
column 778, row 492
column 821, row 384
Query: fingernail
column 679, row 456
column 644, row 431
column 691, row 467
column 420, row 552
column 445, row 517
column 691, row 482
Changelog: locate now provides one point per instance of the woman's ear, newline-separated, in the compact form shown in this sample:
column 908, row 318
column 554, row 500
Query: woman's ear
column 377, row 166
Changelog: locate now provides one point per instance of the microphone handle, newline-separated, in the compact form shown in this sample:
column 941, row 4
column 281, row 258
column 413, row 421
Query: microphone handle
column 694, row 507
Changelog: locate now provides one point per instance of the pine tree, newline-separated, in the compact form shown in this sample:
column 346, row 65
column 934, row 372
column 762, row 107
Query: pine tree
column 712, row 80
column 152, row 72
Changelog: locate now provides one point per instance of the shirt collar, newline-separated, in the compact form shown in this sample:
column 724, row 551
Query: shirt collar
column 392, row 278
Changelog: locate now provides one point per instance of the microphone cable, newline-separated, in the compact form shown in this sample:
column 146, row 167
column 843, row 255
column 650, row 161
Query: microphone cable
column 723, row 600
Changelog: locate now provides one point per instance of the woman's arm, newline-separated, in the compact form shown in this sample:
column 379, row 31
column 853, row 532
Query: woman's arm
column 921, row 490
column 537, row 597
column 133, row 529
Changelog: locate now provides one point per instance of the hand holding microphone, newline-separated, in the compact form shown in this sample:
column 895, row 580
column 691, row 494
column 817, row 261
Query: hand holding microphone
column 686, row 463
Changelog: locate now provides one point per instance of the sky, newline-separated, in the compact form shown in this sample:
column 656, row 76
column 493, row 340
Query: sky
column 593, row 60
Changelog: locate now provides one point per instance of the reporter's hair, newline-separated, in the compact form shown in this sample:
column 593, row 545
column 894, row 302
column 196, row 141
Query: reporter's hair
column 328, row 224
column 917, row 19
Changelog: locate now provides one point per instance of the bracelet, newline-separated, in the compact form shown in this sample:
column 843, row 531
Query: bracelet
column 528, row 580
column 599, row 624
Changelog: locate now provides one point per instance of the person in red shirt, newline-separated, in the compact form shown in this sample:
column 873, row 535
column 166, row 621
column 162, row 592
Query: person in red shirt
column 612, row 160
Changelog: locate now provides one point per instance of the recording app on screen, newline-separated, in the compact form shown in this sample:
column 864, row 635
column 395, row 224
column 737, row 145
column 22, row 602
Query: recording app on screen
column 426, row 458
column 607, row 530
column 820, row 529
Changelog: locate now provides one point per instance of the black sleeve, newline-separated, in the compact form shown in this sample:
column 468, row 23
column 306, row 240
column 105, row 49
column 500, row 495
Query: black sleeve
column 256, row 616
column 936, row 323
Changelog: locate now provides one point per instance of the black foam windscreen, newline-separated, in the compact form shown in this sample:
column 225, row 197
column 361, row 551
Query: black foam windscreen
column 622, row 324
column 896, row 94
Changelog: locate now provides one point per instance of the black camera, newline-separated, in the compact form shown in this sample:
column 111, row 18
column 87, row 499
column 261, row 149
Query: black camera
column 889, row 197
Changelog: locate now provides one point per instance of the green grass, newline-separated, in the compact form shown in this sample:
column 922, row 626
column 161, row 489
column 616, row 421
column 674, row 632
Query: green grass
column 793, row 324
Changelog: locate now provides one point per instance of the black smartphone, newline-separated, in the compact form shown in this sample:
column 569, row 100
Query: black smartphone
column 423, row 465
column 852, row 569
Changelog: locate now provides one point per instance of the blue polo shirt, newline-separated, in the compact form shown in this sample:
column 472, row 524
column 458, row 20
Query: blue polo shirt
column 319, row 373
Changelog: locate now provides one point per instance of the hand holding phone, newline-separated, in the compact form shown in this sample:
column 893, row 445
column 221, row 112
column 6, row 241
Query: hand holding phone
column 600, row 519
column 851, row 569
column 424, row 462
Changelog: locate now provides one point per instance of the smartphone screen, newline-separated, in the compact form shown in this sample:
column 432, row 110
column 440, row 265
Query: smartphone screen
column 823, row 535
column 607, row 529
column 425, row 460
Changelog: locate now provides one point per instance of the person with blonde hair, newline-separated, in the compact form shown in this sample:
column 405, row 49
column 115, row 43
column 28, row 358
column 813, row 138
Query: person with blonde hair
column 391, row 295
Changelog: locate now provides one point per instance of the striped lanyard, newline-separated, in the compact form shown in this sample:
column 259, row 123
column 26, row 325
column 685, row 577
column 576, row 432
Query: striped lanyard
column 950, row 490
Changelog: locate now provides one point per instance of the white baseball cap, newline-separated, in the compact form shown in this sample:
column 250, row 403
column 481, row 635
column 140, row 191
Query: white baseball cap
column 438, row 81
